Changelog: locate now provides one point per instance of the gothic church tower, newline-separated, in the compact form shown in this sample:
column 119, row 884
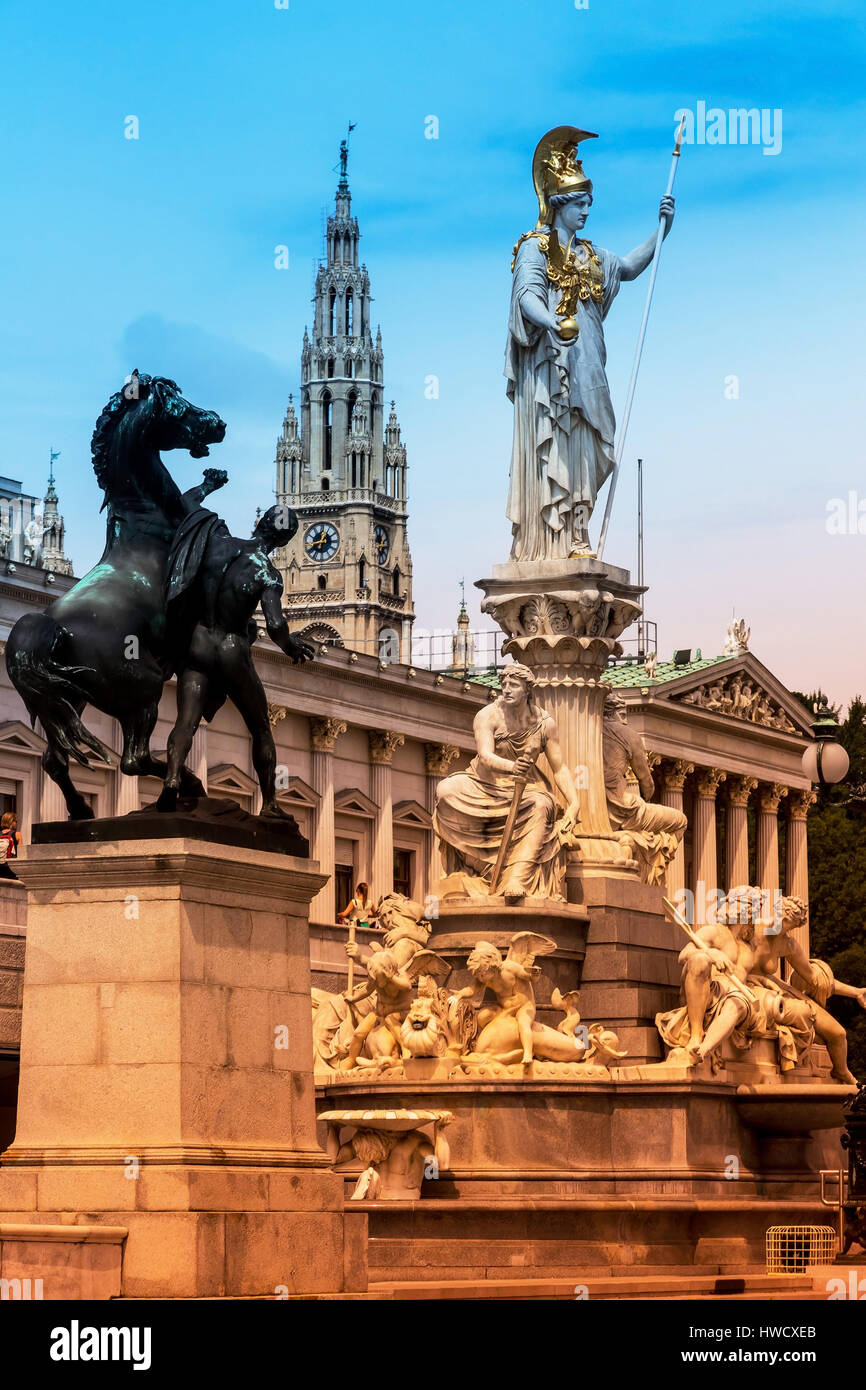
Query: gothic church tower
column 348, row 571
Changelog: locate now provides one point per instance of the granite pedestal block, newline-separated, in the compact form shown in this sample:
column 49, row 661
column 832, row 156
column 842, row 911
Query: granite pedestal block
column 166, row 1069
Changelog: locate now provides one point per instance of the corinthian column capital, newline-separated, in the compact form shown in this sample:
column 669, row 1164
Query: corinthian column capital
column 438, row 757
column 707, row 781
column 739, row 789
column 770, row 795
column 324, row 733
column 799, row 803
column 675, row 772
column 383, row 745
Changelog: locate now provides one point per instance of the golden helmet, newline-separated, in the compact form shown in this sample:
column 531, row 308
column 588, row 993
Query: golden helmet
column 556, row 167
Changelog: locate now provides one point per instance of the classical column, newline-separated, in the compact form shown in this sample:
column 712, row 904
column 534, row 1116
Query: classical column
column 323, row 736
column 51, row 803
column 197, row 757
column 382, row 746
column 737, row 831
column 796, row 860
column 126, row 795
column 769, row 796
column 673, row 776
column 706, row 872
column 438, row 758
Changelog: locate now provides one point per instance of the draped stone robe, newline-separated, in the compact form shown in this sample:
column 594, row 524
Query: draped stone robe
column 472, row 809
column 564, row 423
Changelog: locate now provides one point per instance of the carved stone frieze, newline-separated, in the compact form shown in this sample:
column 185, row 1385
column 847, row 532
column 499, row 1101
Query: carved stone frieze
column 740, row 698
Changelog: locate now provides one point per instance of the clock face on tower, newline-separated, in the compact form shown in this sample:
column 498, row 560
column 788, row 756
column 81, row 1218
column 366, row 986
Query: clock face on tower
column 382, row 543
column 322, row 541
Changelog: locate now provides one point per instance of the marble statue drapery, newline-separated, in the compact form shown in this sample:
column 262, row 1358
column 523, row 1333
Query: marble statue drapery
column 563, row 447
column 472, row 808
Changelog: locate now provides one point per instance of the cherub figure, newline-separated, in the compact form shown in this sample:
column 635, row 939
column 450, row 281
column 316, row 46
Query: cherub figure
column 390, row 985
column 510, row 1032
column 510, row 980
column 336, row 1019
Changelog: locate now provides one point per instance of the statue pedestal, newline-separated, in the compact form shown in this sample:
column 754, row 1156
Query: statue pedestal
column 167, row 1072
column 562, row 618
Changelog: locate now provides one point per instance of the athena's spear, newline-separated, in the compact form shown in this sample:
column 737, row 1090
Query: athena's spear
column 623, row 429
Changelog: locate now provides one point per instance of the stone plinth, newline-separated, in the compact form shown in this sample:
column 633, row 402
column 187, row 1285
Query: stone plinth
column 562, row 619
column 631, row 971
column 463, row 922
column 602, row 1177
column 166, row 1068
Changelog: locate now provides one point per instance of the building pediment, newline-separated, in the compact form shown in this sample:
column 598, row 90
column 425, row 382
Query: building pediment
column 737, row 688
column 412, row 813
column 17, row 737
column 230, row 780
column 353, row 802
column 301, row 793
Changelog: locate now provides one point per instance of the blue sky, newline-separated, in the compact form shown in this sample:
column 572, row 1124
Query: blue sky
column 159, row 253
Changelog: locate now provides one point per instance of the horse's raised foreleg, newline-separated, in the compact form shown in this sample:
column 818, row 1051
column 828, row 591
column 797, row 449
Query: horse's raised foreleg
column 56, row 764
column 137, row 759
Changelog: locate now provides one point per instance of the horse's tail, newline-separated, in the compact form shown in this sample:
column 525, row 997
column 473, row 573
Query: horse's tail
column 47, row 686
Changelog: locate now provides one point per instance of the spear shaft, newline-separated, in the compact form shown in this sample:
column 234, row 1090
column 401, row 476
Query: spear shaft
column 654, row 265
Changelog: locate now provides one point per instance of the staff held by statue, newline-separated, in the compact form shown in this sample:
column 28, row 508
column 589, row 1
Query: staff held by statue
column 623, row 429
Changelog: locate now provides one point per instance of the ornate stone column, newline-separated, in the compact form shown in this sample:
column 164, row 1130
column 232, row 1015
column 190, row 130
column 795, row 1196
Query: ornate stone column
column 562, row 619
column 737, row 831
column 438, row 758
column 796, row 856
column 673, row 776
column 706, row 873
column 323, row 736
column 383, row 744
column 769, row 796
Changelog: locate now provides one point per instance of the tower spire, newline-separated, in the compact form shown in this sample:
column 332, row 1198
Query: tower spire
column 54, row 455
column 341, row 462
column 51, row 548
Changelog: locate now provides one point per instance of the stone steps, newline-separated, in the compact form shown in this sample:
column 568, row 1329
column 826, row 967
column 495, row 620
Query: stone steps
column 753, row 1287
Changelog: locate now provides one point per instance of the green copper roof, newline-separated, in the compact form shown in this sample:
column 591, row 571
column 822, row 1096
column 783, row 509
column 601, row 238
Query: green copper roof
column 633, row 674
column 488, row 678
column 665, row 671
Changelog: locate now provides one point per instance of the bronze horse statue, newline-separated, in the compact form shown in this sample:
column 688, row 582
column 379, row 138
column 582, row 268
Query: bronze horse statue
column 106, row 642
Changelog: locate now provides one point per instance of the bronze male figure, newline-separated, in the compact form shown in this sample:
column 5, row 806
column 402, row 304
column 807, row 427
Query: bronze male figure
column 215, row 584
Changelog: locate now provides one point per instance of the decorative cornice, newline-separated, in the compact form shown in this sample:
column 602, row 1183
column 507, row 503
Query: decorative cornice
column 707, row 780
column 184, row 1155
column 324, row 733
column 740, row 789
column 63, row 871
column 383, row 745
column 438, row 757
